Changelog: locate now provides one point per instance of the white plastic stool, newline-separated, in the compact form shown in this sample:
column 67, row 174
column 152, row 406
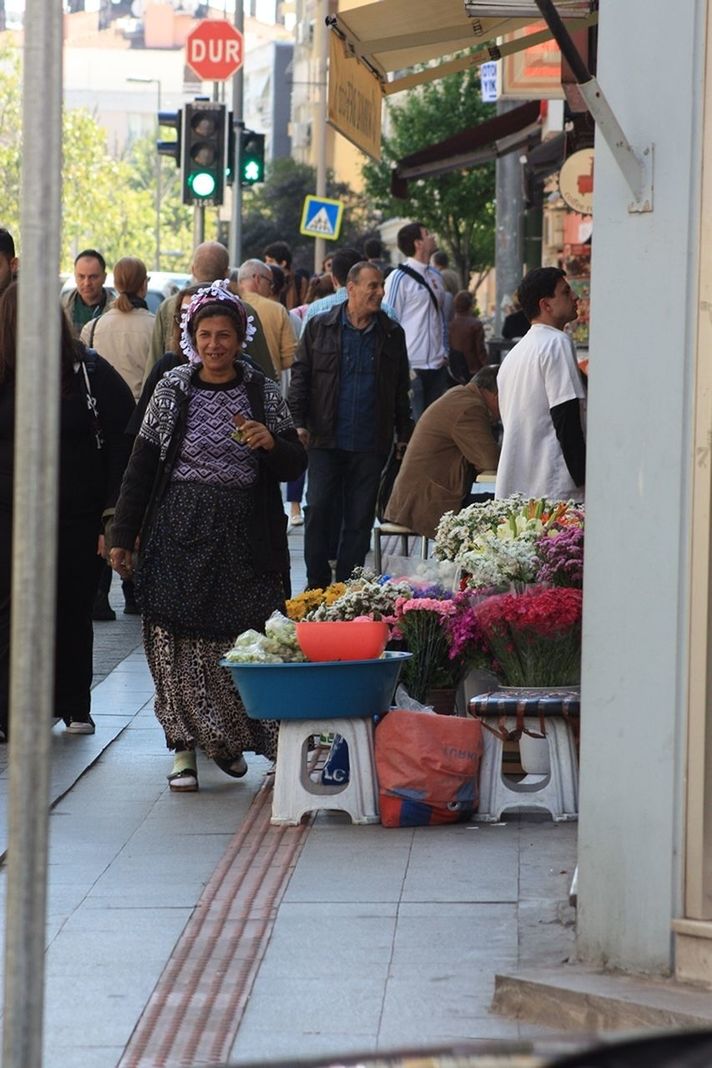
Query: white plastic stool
column 295, row 793
column 556, row 793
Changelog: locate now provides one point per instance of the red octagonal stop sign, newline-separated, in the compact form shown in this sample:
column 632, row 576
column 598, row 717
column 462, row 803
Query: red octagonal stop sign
column 214, row 50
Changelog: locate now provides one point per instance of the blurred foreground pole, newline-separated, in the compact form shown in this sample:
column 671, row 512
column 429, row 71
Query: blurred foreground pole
column 37, row 388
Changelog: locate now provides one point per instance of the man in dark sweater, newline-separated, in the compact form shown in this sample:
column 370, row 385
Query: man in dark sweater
column 90, row 298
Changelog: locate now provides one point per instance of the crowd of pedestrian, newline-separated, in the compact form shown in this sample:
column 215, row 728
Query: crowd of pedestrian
column 177, row 431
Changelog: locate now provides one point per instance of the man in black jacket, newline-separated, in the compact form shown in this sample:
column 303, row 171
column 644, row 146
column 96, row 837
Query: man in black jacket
column 349, row 400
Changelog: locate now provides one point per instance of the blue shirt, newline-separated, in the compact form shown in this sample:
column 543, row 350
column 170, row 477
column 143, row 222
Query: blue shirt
column 339, row 297
column 356, row 422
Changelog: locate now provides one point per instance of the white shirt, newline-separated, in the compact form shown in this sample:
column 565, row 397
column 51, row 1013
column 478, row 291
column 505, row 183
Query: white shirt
column 536, row 375
column 425, row 329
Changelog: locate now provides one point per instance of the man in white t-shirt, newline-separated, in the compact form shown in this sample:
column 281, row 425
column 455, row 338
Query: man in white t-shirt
column 417, row 294
column 541, row 397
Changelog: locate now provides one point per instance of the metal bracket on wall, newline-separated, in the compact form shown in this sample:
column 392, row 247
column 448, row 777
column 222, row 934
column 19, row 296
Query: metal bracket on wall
column 637, row 167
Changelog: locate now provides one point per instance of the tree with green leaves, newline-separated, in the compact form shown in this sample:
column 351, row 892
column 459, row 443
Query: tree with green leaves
column 459, row 207
column 105, row 205
column 272, row 212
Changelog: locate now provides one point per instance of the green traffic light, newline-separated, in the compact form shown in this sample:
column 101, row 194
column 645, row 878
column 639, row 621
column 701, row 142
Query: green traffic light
column 251, row 171
column 202, row 183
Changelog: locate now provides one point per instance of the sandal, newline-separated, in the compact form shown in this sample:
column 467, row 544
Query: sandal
column 235, row 767
column 184, row 776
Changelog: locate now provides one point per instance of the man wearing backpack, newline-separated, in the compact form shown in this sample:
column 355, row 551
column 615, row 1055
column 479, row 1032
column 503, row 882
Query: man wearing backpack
column 417, row 293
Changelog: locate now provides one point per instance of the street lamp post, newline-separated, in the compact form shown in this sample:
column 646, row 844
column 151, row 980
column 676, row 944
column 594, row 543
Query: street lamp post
column 157, row 83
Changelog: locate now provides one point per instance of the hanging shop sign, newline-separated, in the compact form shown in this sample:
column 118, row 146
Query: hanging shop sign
column 576, row 181
column 532, row 73
column 355, row 100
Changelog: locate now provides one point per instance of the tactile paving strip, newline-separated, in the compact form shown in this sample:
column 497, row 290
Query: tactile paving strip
column 194, row 1012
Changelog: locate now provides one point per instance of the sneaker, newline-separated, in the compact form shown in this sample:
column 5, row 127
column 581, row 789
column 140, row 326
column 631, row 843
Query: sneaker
column 102, row 611
column 81, row 726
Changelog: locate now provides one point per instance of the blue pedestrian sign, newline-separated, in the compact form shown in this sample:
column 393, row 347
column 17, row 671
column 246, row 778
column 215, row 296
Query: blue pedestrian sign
column 321, row 217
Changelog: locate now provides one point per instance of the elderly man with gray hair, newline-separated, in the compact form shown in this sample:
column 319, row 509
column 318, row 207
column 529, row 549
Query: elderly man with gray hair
column 254, row 284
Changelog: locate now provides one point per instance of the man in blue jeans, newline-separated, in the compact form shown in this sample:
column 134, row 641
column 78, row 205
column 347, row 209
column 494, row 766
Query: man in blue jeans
column 349, row 399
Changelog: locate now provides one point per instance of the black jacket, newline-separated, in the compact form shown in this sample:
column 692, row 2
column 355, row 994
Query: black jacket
column 89, row 476
column 314, row 388
column 148, row 476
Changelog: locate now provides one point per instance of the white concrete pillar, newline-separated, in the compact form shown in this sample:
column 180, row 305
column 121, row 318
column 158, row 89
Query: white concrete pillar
column 640, row 435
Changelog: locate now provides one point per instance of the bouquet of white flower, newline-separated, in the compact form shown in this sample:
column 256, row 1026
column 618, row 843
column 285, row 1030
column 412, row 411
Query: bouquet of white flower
column 495, row 544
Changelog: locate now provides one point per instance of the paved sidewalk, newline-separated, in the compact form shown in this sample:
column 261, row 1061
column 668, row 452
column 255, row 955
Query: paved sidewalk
column 373, row 939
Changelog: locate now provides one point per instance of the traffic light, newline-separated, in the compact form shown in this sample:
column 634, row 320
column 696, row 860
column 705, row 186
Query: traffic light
column 203, row 153
column 252, row 157
column 170, row 148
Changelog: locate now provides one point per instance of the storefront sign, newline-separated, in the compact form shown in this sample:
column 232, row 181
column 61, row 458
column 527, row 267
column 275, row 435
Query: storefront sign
column 355, row 100
column 488, row 82
column 576, row 181
column 532, row 73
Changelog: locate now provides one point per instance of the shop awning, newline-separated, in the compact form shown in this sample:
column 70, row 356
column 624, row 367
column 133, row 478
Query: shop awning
column 519, row 128
column 390, row 36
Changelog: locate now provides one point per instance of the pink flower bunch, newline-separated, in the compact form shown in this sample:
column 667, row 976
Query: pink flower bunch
column 467, row 641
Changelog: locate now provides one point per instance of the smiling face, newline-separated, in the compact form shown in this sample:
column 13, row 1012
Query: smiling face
column 218, row 345
column 89, row 278
column 365, row 294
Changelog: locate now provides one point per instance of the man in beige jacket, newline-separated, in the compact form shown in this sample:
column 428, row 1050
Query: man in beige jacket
column 451, row 444
column 254, row 283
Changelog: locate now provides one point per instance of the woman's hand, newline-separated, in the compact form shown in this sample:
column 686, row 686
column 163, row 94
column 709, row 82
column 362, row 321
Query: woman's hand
column 121, row 562
column 256, row 435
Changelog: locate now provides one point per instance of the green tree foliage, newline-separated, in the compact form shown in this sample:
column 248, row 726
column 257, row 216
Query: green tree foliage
column 105, row 205
column 459, row 207
column 272, row 212
column 176, row 217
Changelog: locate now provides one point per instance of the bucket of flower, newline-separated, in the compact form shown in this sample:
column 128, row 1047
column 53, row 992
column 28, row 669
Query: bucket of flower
column 530, row 556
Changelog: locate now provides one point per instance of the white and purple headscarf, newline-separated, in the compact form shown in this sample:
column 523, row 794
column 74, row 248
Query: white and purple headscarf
column 215, row 293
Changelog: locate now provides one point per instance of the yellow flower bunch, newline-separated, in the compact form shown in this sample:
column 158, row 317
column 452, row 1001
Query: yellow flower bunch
column 298, row 607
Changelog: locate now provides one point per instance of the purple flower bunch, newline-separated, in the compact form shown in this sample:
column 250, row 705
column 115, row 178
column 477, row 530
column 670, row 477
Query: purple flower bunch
column 561, row 558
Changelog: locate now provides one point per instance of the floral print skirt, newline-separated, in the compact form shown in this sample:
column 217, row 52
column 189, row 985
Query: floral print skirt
column 196, row 702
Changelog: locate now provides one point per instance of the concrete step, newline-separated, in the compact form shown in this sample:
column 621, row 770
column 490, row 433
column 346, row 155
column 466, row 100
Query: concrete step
column 581, row 999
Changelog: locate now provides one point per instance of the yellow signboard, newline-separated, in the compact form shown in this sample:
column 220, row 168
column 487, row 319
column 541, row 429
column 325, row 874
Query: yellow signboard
column 355, row 100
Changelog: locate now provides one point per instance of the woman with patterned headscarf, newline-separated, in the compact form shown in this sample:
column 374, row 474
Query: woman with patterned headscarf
column 201, row 494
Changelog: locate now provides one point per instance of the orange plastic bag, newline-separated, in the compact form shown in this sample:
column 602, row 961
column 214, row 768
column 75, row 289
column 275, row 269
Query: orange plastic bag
column 428, row 768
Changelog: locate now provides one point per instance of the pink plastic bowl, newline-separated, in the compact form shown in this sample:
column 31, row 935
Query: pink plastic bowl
column 343, row 640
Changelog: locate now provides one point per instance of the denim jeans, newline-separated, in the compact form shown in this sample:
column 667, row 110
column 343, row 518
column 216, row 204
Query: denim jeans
column 352, row 479
column 425, row 388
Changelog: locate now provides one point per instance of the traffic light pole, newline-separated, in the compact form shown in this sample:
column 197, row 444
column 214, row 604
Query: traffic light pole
column 198, row 225
column 235, row 249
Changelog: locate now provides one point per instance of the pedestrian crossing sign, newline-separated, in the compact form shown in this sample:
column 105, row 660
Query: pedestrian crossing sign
column 321, row 217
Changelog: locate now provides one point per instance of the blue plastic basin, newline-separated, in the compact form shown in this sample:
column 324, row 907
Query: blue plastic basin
column 329, row 689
